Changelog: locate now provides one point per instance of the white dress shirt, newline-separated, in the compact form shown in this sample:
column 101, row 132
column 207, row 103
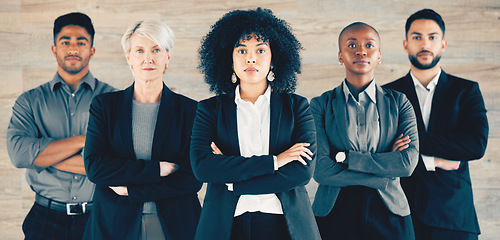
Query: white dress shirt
column 253, row 121
column 425, row 96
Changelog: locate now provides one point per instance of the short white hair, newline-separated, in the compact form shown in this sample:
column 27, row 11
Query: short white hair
column 155, row 30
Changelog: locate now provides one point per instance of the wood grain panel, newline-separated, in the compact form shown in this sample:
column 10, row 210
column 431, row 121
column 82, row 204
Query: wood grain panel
column 26, row 61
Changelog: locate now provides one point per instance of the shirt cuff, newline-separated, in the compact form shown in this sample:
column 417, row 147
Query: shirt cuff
column 429, row 163
column 275, row 160
column 229, row 186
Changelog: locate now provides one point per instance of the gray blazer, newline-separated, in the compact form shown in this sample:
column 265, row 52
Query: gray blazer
column 380, row 170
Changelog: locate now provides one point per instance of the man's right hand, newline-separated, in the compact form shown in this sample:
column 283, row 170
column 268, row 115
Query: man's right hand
column 448, row 165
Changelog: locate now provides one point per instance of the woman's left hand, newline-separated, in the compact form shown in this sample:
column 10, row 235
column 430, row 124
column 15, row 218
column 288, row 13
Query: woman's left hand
column 215, row 149
column 402, row 142
column 122, row 191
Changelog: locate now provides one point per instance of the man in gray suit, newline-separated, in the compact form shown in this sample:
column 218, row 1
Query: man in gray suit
column 367, row 140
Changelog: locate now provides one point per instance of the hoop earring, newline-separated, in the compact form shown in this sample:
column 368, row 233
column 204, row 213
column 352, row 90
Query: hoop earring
column 270, row 76
column 233, row 78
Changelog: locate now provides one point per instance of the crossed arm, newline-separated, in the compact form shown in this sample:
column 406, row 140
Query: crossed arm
column 141, row 180
column 27, row 149
column 372, row 170
column 256, row 174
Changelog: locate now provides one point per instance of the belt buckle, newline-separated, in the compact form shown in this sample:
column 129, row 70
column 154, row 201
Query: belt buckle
column 75, row 208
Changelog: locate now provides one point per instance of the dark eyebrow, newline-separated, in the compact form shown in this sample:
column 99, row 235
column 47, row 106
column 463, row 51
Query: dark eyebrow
column 82, row 38
column 352, row 39
column 416, row 33
column 68, row 38
column 240, row 45
column 263, row 43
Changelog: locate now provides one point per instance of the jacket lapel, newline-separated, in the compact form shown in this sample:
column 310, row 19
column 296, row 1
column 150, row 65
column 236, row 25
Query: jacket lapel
column 164, row 122
column 276, row 112
column 228, row 109
column 439, row 95
column 124, row 121
column 411, row 94
column 386, row 119
column 339, row 110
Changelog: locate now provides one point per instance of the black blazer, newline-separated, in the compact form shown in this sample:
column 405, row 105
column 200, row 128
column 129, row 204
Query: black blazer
column 291, row 122
column 457, row 130
column 110, row 161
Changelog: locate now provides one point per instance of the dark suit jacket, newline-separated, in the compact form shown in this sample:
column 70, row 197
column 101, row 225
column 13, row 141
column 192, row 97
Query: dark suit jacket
column 380, row 170
column 291, row 122
column 457, row 130
column 110, row 161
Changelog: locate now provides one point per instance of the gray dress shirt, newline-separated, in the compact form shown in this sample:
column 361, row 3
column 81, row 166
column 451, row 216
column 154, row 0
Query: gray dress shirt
column 44, row 114
column 363, row 127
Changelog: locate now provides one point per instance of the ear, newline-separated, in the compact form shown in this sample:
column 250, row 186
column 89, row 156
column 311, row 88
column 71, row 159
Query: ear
column 340, row 57
column 405, row 45
column 92, row 52
column 54, row 50
column 127, row 57
column 444, row 44
column 169, row 55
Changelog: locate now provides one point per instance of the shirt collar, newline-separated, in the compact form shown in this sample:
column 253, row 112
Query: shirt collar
column 432, row 84
column 266, row 95
column 370, row 91
column 88, row 80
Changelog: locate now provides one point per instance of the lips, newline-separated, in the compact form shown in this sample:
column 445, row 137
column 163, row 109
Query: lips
column 148, row 69
column 251, row 69
column 424, row 54
column 73, row 58
column 362, row 61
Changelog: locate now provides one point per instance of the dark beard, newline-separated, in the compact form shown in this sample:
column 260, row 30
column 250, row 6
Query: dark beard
column 414, row 61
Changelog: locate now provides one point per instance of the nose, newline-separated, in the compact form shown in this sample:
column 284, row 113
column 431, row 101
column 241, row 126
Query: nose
column 425, row 44
column 251, row 58
column 148, row 59
column 361, row 51
column 73, row 52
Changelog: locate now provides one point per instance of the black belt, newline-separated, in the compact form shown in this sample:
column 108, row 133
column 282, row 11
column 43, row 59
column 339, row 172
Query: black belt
column 68, row 208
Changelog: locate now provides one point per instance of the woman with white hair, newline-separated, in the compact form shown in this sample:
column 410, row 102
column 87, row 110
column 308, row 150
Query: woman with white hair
column 137, row 149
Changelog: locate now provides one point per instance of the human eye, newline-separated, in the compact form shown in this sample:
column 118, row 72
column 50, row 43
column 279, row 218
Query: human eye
column 81, row 43
column 432, row 37
column 261, row 51
column 65, row 43
column 416, row 37
column 139, row 51
column 156, row 50
column 351, row 45
column 242, row 51
column 369, row 45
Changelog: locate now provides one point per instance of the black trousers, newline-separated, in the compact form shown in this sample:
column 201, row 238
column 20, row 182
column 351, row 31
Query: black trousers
column 259, row 226
column 43, row 223
column 360, row 213
column 426, row 232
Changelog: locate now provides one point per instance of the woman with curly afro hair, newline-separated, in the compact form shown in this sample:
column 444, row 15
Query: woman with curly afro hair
column 254, row 142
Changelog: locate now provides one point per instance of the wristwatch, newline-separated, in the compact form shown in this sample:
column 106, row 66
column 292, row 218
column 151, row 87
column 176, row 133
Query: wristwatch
column 340, row 157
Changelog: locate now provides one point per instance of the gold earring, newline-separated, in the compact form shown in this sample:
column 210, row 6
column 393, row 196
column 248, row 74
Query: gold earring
column 270, row 76
column 233, row 78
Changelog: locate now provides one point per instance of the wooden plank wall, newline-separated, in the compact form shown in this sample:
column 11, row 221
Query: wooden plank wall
column 26, row 61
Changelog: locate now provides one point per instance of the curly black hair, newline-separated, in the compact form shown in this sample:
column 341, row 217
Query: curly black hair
column 216, row 51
